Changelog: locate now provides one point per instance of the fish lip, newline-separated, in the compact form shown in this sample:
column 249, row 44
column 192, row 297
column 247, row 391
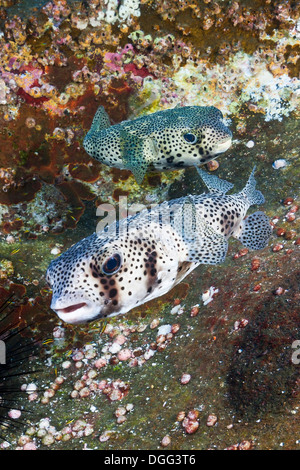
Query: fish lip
column 79, row 309
column 223, row 145
column 75, row 310
column 71, row 308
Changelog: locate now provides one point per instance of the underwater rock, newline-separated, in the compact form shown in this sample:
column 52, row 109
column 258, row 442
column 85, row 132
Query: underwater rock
column 57, row 66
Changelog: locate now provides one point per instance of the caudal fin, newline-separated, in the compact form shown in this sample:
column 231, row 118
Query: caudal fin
column 250, row 193
column 256, row 231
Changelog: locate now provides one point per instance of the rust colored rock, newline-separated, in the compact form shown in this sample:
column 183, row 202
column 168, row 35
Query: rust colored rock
column 280, row 232
column 255, row 264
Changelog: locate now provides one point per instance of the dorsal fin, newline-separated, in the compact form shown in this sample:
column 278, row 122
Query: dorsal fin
column 214, row 183
column 101, row 120
column 254, row 196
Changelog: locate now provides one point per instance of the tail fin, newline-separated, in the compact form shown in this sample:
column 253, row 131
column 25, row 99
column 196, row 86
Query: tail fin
column 256, row 231
column 250, row 193
column 101, row 120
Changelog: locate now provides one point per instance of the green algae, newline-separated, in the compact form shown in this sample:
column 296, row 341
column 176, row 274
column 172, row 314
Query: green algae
column 23, row 157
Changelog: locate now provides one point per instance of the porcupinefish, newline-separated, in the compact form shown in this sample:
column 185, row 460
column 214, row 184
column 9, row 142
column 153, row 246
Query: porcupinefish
column 172, row 138
column 143, row 256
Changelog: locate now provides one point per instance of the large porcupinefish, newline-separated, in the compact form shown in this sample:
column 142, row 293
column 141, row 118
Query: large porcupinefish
column 173, row 138
column 144, row 256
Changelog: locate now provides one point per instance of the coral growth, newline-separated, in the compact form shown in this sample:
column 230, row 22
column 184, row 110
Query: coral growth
column 58, row 66
column 183, row 371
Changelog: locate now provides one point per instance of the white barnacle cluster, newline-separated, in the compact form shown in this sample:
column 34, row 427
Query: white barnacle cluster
column 111, row 12
column 128, row 8
column 3, row 92
column 244, row 78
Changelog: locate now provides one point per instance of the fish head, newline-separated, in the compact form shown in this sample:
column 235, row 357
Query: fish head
column 213, row 136
column 106, row 278
column 197, row 133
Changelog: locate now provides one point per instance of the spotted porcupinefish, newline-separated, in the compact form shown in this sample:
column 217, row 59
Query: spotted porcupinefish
column 143, row 256
column 172, row 138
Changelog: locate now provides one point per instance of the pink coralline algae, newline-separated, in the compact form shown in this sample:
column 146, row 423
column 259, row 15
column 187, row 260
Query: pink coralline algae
column 122, row 62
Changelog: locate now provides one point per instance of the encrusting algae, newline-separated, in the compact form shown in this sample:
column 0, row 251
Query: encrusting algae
column 212, row 363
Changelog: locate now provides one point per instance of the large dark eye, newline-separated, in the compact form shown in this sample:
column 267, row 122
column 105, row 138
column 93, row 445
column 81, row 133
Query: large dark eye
column 112, row 265
column 190, row 138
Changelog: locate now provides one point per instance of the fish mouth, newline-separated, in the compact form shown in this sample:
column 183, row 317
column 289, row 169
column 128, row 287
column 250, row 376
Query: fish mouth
column 224, row 145
column 71, row 308
column 74, row 312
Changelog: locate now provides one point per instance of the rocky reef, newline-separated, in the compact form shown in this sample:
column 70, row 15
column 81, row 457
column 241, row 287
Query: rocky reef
column 197, row 368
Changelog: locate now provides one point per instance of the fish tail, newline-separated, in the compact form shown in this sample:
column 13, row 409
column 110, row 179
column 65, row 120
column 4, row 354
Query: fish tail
column 254, row 196
column 255, row 231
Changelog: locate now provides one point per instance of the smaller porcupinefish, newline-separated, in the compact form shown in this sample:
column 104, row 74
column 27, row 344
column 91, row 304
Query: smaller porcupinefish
column 144, row 256
column 172, row 138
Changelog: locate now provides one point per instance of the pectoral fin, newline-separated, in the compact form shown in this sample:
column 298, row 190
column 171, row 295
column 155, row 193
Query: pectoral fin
column 204, row 244
column 138, row 170
column 138, row 153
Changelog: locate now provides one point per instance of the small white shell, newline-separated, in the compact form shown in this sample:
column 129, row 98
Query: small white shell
column 115, row 348
column 281, row 163
column 14, row 414
column 55, row 251
column 31, row 388
column 250, row 144
column 207, row 296
column 164, row 330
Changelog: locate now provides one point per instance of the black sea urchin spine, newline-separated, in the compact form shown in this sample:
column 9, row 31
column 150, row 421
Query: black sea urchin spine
column 16, row 352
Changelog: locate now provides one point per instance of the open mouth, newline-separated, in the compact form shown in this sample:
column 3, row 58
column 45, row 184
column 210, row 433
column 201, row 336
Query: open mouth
column 75, row 310
column 223, row 145
column 71, row 308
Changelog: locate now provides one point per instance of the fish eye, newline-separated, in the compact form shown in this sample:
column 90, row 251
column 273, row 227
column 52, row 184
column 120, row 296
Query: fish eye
column 112, row 264
column 190, row 138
